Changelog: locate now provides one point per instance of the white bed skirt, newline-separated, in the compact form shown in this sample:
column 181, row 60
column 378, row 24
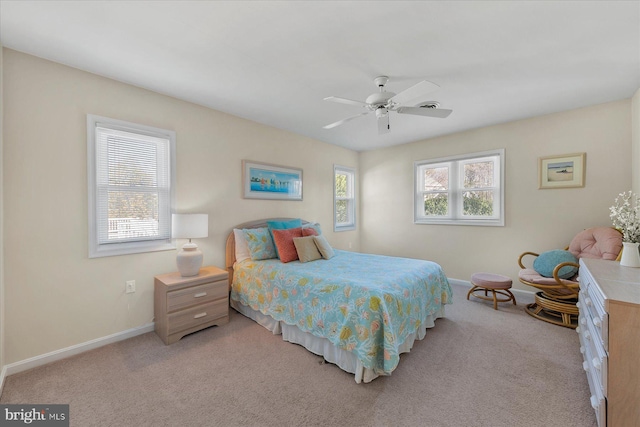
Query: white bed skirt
column 346, row 360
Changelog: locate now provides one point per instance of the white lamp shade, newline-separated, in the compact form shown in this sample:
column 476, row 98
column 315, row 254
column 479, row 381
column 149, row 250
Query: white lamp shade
column 189, row 226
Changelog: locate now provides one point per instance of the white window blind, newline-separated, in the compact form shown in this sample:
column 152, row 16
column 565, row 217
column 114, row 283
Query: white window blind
column 131, row 191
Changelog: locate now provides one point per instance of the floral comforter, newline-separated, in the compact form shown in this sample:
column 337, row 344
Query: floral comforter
column 366, row 304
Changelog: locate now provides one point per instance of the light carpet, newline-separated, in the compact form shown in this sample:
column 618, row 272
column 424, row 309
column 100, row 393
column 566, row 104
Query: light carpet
column 477, row 367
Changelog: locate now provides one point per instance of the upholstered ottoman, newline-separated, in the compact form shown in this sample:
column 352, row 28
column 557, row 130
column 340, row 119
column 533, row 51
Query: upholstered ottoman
column 495, row 283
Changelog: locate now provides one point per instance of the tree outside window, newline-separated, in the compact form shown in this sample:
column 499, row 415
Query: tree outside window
column 460, row 190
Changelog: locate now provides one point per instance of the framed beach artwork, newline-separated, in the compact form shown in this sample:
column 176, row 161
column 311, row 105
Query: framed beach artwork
column 265, row 181
column 563, row 171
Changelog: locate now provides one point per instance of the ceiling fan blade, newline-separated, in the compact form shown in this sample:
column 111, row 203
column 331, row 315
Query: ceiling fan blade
column 383, row 124
column 414, row 92
column 345, row 101
column 343, row 121
column 440, row 113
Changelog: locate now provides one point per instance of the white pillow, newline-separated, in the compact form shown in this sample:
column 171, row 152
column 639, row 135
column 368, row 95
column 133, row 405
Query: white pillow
column 242, row 247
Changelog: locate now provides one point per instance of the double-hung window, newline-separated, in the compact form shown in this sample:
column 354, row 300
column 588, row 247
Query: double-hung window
column 131, row 177
column 467, row 189
column 344, row 203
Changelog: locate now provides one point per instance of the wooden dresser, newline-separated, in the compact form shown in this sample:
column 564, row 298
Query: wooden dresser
column 183, row 305
column 609, row 329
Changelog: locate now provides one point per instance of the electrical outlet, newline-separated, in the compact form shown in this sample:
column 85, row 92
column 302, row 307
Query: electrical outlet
column 130, row 287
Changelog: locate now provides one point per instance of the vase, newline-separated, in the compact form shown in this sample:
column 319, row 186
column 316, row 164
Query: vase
column 189, row 260
column 630, row 255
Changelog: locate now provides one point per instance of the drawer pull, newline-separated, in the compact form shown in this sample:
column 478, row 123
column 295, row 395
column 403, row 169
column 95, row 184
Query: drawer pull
column 585, row 366
column 596, row 364
column 583, row 321
column 588, row 302
column 578, row 330
column 587, row 335
column 199, row 315
column 201, row 294
column 594, row 402
column 581, row 349
column 597, row 322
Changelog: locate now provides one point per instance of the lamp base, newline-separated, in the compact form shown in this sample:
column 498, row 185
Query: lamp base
column 189, row 260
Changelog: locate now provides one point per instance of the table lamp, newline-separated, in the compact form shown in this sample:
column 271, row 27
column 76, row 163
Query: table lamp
column 189, row 226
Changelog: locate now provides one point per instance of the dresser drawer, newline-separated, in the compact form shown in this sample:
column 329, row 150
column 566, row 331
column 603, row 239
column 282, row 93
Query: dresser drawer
column 594, row 314
column 595, row 354
column 207, row 292
column 597, row 313
column 597, row 399
column 200, row 314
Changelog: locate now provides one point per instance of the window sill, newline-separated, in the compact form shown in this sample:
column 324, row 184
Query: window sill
column 475, row 222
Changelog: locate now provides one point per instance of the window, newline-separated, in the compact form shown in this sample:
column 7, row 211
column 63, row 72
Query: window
column 131, row 170
column 344, row 204
column 466, row 189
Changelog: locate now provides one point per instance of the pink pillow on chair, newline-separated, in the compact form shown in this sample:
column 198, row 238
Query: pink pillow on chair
column 597, row 242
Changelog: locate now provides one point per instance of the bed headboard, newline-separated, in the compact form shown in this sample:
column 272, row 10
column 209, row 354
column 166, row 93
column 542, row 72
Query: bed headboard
column 230, row 252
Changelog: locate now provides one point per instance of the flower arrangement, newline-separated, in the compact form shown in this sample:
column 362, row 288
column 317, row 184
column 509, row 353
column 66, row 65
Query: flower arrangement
column 625, row 215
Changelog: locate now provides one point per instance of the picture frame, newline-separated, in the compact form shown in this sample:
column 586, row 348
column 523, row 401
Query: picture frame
column 271, row 182
column 562, row 171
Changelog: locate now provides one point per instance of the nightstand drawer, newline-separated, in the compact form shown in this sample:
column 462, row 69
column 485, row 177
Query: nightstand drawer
column 182, row 298
column 197, row 315
column 183, row 305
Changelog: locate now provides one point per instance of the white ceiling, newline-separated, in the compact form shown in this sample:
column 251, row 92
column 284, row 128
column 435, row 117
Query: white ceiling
column 274, row 61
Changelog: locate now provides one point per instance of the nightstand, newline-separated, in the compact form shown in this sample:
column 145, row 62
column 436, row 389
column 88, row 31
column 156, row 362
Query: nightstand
column 183, row 305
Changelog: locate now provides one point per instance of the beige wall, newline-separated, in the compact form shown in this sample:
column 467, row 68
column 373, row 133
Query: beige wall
column 57, row 296
column 2, row 298
column 536, row 220
column 635, row 144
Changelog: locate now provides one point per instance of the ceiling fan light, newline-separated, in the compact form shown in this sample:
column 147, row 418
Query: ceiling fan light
column 381, row 112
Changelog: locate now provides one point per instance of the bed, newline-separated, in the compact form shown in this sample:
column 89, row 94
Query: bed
column 357, row 311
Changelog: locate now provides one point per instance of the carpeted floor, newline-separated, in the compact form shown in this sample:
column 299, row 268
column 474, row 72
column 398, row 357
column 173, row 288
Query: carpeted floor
column 477, row 367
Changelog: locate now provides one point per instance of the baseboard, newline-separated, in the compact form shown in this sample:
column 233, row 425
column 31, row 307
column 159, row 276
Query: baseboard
column 3, row 375
column 34, row 362
column 521, row 292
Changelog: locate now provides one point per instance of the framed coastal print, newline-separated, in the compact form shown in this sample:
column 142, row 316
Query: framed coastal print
column 265, row 181
column 563, row 171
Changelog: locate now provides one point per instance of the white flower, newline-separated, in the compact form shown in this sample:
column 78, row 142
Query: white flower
column 625, row 215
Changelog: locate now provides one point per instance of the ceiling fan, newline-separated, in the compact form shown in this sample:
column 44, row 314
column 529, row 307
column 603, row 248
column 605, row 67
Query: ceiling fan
column 382, row 102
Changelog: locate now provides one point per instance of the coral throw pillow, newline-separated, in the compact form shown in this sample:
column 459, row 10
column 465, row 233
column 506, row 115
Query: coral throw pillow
column 283, row 240
column 308, row 231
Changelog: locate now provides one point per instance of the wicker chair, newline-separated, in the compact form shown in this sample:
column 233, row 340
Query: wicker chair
column 556, row 300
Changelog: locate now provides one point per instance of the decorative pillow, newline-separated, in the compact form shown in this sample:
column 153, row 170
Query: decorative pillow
column 312, row 226
column 242, row 248
column 284, row 243
column 283, row 225
column 306, row 248
column 547, row 261
column 308, row 231
column 323, row 246
column 260, row 243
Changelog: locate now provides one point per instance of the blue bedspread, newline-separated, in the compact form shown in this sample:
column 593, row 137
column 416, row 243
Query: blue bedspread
column 366, row 304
